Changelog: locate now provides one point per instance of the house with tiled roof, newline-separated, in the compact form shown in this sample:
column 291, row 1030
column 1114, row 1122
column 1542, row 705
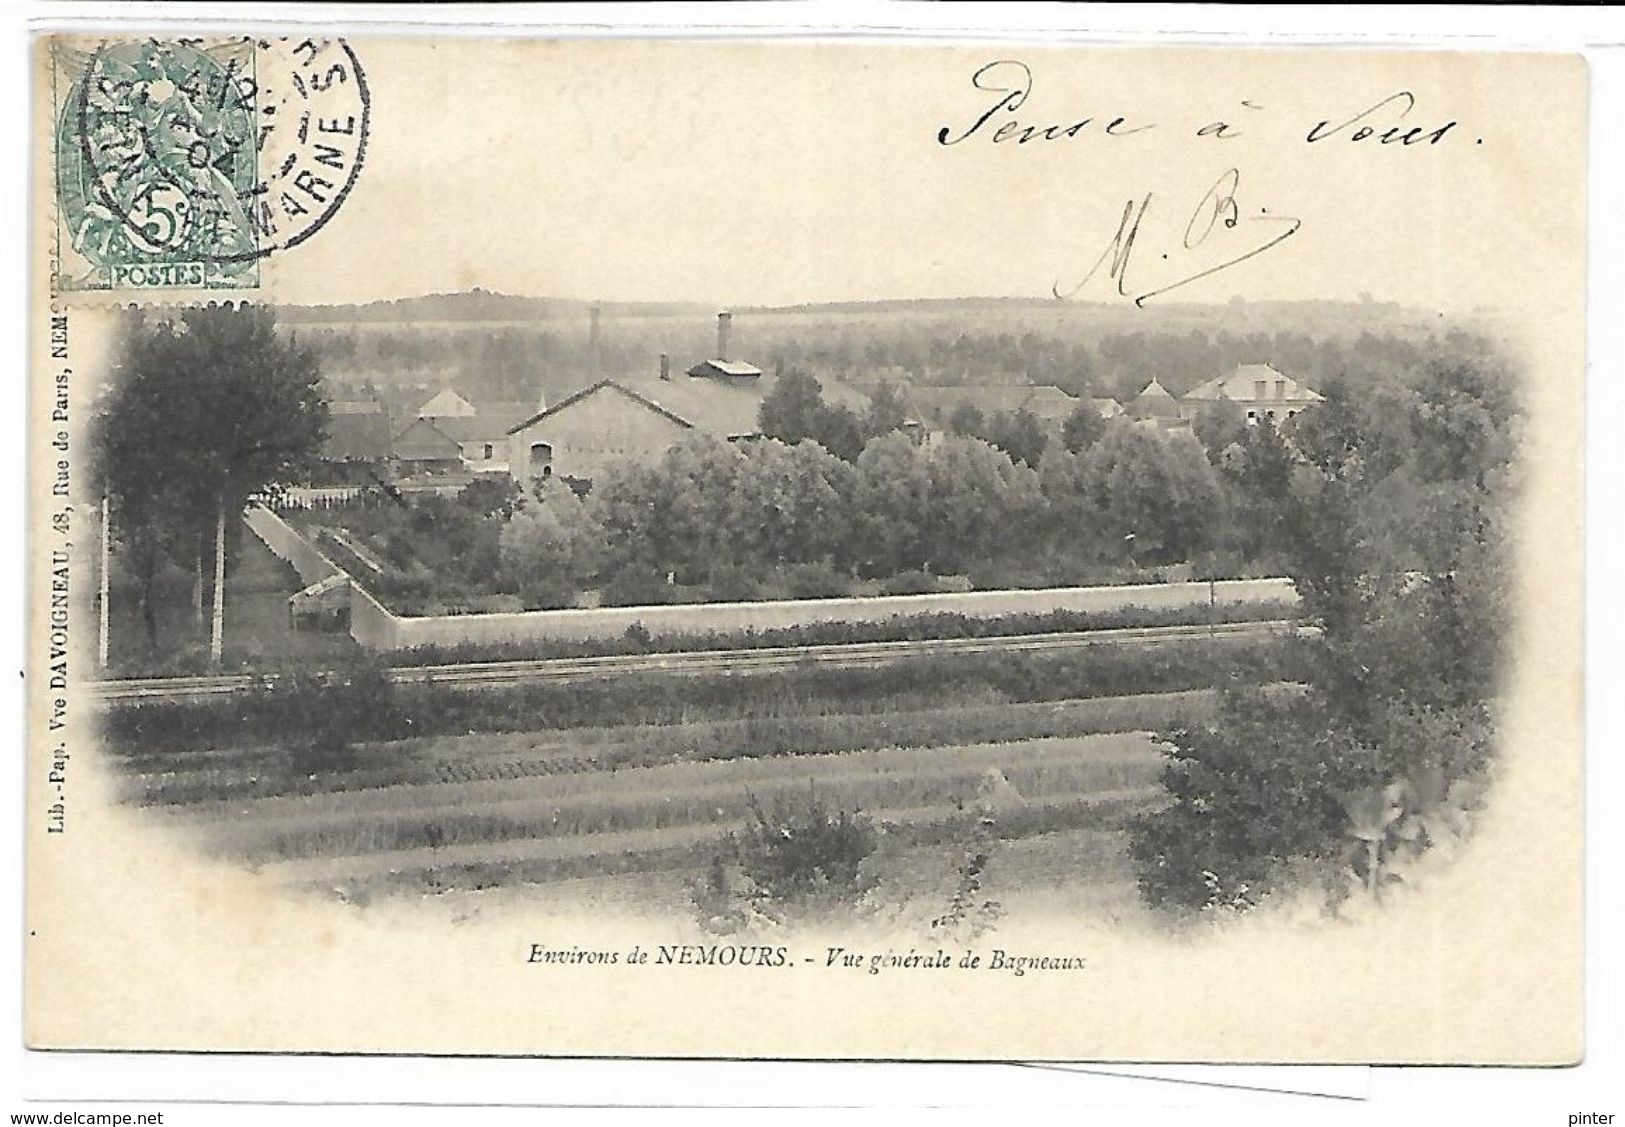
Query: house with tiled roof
column 1259, row 390
column 423, row 447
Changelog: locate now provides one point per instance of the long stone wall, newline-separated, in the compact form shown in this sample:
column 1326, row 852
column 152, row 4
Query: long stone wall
column 613, row 622
column 377, row 628
column 289, row 546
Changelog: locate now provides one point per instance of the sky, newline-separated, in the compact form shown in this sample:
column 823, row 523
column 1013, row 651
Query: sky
column 778, row 173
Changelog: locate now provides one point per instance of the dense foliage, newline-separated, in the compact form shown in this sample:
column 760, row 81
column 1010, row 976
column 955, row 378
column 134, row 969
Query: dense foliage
column 496, row 348
column 711, row 521
column 793, row 860
column 205, row 409
column 1389, row 511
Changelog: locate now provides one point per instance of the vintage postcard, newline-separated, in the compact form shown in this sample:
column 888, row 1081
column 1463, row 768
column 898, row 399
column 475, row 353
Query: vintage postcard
column 805, row 549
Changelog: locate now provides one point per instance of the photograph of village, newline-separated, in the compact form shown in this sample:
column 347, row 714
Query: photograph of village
column 936, row 613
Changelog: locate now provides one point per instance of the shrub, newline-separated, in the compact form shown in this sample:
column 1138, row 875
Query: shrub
column 1255, row 793
column 796, row 862
column 294, row 707
column 816, row 581
column 910, row 583
column 318, row 716
column 970, row 912
column 640, row 587
column 731, row 584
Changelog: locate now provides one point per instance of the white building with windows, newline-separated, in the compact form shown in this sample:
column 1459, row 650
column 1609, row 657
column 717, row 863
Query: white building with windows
column 1258, row 390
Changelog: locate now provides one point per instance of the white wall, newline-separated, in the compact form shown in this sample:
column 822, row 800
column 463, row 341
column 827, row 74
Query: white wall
column 377, row 628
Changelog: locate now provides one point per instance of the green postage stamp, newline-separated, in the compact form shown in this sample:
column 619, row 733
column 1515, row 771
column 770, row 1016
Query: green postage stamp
column 180, row 164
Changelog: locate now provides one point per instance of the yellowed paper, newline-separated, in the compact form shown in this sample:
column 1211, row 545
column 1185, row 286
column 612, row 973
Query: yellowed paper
column 558, row 224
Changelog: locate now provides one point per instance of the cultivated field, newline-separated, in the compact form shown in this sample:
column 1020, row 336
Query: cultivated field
column 644, row 806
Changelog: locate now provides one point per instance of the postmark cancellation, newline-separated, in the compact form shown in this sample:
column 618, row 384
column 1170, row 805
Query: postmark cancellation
column 182, row 163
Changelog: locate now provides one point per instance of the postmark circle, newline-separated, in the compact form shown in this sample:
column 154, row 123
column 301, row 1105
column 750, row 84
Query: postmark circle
column 200, row 157
column 314, row 113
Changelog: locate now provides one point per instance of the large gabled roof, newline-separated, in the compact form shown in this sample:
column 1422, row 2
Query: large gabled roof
column 720, row 407
column 724, row 408
column 1241, row 384
column 616, row 386
column 424, row 440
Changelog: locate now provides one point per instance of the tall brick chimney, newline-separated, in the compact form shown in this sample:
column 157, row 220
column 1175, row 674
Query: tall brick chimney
column 724, row 323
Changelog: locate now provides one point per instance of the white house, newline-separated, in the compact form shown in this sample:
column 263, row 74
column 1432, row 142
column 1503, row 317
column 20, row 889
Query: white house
column 1257, row 389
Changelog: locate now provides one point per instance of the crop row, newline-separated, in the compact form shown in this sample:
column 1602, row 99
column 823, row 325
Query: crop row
column 525, row 861
column 509, row 756
column 1088, row 753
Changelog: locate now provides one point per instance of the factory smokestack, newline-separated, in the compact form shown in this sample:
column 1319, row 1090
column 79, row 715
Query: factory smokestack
column 724, row 323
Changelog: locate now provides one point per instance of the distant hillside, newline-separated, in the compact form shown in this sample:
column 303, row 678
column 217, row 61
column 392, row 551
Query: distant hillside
column 477, row 305
column 481, row 305
column 1049, row 304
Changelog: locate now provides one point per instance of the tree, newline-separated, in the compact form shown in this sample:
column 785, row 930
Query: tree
column 791, row 504
column 891, row 497
column 493, row 495
column 1392, row 524
column 1082, row 428
column 795, row 411
column 207, row 410
column 1219, row 425
column 1156, row 486
column 840, row 431
column 1069, row 515
column 1019, row 434
column 550, row 546
column 793, row 408
column 1260, row 469
column 967, row 419
column 885, row 413
column 671, row 517
column 978, row 502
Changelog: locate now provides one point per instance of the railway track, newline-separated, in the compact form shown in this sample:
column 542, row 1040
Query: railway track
column 503, row 674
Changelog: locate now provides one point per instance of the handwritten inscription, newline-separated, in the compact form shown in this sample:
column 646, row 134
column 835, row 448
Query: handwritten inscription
column 1368, row 123
column 1012, row 81
column 1217, row 228
column 1219, row 233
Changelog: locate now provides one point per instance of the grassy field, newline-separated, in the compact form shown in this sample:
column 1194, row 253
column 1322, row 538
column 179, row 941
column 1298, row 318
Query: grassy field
column 594, row 821
column 483, row 811
column 656, row 798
